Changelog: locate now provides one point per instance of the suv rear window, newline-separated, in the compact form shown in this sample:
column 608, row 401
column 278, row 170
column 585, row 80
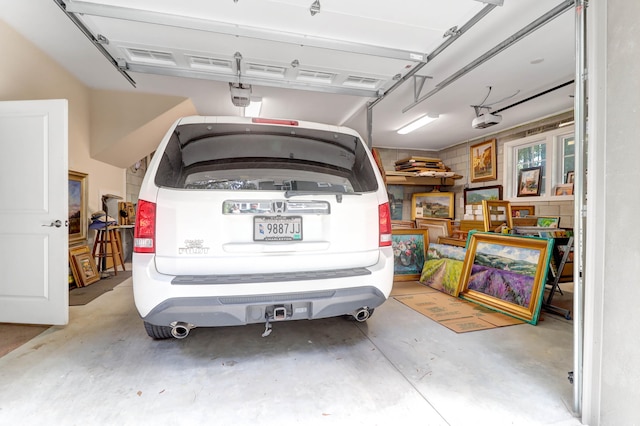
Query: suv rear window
column 259, row 157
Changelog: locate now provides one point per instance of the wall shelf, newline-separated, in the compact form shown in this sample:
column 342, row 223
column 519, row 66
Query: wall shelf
column 399, row 178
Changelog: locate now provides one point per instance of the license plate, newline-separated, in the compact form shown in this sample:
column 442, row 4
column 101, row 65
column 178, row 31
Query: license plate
column 277, row 228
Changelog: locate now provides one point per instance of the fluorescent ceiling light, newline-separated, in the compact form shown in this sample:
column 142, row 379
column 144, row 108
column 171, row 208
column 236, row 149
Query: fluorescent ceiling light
column 422, row 121
column 253, row 110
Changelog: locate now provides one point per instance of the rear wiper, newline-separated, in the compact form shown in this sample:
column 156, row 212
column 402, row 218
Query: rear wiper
column 293, row 193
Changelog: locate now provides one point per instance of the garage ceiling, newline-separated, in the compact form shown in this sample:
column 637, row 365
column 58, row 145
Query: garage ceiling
column 325, row 60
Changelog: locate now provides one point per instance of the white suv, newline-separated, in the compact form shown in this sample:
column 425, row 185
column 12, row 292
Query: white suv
column 245, row 220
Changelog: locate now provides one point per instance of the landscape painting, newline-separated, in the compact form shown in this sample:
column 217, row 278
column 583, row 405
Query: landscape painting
column 443, row 267
column 506, row 273
column 432, row 204
column 477, row 195
column 77, row 206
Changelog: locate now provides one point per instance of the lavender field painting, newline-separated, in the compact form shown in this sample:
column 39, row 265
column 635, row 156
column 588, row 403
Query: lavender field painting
column 504, row 272
column 508, row 286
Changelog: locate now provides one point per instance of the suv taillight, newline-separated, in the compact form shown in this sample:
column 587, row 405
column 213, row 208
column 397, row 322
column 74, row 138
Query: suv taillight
column 144, row 236
column 384, row 225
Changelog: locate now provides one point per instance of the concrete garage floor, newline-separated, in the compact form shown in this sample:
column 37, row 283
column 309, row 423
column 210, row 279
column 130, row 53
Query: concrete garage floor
column 397, row 368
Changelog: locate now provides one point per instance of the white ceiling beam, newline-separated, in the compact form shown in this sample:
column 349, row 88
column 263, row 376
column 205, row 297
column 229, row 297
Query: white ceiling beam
column 533, row 26
column 286, row 84
column 97, row 41
column 166, row 19
column 494, row 2
column 452, row 37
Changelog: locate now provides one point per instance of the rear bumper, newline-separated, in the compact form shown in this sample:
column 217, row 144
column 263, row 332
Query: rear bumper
column 210, row 301
column 240, row 310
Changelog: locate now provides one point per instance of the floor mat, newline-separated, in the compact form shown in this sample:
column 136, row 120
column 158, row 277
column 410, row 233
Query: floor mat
column 408, row 287
column 456, row 314
column 84, row 295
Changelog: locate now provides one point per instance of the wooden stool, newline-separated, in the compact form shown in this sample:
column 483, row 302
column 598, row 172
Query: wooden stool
column 107, row 244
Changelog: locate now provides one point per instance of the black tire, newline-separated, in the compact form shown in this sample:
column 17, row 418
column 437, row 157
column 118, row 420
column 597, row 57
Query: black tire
column 157, row 331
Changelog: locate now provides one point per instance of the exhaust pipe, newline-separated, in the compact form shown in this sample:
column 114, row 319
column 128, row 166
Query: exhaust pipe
column 180, row 330
column 362, row 314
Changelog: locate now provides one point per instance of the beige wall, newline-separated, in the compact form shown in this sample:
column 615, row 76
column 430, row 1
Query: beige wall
column 108, row 131
column 126, row 126
column 27, row 73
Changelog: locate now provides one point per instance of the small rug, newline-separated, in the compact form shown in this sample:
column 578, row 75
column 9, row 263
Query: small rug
column 83, row 295
column 15, row 335
column 456, row 314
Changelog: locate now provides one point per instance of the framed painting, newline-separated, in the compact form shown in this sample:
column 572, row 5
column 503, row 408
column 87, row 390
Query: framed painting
column 483, row 161
column 569, row 178
column 409, row 253
column 438, row 227
column 564, row 189
column 548, row 221
column 402, row 224
column 496, row 213
column 432, row 204
column 476, row 195
column 529, row 182
column 506, row 273
column 83, row 266
column 396, row 197
column 443, row 267
column 452, row 241
column 523, row 211
column 77, row 206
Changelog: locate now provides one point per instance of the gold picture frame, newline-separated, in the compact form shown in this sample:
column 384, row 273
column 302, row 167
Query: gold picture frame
column 409, row 253
column 402, row 224
column 438, row 227
column 506, row 273
column 452, row 241
column 77, row 219
column 484, row 166
column 83, row 266
column 432, row 204
column 495, row 213
column 564, row 189
column 523, row 211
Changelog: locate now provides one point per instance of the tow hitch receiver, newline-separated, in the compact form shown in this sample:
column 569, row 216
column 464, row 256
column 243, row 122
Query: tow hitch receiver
column 274, row 313
column 279, row 313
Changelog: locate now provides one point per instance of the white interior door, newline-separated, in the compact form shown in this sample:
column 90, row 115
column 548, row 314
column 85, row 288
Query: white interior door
column 34, row 286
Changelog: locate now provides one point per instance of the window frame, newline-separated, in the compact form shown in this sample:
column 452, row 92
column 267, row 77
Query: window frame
column 554, row 164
